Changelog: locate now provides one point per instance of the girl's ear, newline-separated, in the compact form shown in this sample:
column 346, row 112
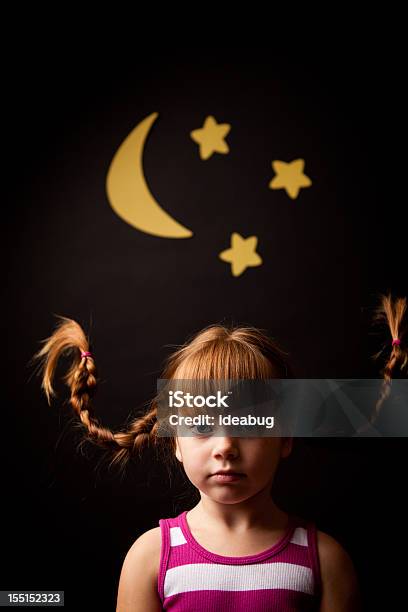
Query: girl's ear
column 286, row 448
column 178, row 452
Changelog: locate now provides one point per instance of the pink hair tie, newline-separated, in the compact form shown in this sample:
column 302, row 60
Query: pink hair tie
column 86, row 354
column 396, row 341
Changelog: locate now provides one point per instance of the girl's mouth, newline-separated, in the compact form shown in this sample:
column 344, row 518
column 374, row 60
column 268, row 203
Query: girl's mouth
column 227, row 477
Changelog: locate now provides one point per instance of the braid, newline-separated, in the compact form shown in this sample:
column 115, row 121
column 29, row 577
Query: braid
column 392, row 313
column 82, row 381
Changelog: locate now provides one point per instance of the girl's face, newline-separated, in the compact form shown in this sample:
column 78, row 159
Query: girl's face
column 256, row 458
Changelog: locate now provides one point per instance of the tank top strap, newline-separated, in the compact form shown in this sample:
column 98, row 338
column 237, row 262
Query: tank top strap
column 314, row 556
column 305, row 534
column 171, row 536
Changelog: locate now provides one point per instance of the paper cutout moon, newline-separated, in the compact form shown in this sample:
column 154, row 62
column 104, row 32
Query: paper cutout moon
column 128, row 193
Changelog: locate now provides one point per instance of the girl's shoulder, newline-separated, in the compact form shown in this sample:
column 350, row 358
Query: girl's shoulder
column 138, row 579
column 330, row 550
column 338, row 575
column 148, row 544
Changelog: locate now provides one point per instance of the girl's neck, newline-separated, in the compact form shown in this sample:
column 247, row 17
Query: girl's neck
column 260, row 511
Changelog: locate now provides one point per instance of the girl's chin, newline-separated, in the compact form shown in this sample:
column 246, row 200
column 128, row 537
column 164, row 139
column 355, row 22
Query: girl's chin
column 227, row 495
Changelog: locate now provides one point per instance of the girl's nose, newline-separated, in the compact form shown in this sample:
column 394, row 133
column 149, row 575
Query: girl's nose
column 225, row 446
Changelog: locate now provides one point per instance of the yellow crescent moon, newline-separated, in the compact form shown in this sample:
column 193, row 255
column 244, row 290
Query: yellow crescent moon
column 128, row 193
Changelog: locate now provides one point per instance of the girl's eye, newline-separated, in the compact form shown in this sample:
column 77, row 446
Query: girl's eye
column 208, row 429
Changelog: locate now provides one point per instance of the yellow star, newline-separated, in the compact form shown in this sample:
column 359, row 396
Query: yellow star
column 211, row 137
column 290, row 177
column 242, row 253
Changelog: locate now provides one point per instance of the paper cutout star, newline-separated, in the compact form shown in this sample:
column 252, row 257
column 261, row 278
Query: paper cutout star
column 290, row 176
column 211, row 137
column 242, row 253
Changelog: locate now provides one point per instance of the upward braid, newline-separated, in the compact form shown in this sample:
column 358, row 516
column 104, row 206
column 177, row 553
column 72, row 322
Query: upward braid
column 81, row 378
column 392, row 313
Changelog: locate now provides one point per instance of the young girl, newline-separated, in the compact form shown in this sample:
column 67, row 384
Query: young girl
column 236, row 549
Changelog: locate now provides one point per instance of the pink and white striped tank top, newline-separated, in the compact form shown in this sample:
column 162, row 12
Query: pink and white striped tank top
column 284, row 578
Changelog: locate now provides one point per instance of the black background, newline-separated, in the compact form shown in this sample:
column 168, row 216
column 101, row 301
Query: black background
column 327, row 255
